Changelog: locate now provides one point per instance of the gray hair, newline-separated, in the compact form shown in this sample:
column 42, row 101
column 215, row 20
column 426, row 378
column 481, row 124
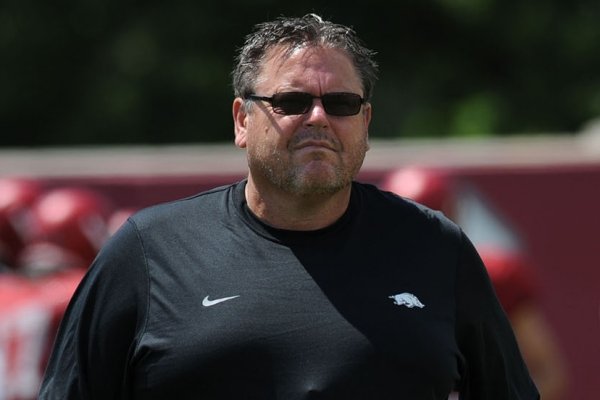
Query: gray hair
column 294, row 33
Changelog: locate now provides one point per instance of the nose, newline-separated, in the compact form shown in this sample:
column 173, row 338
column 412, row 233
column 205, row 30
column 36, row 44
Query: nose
column 316, row 116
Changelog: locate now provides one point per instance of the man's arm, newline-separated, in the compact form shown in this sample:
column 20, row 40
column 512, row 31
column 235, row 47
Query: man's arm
column 493, row 368
column 90, row 356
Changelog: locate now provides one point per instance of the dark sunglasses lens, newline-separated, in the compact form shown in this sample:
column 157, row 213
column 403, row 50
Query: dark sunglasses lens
column 341, row 104
column 292, row 103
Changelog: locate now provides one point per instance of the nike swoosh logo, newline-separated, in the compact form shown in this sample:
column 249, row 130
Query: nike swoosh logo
column 208, row 303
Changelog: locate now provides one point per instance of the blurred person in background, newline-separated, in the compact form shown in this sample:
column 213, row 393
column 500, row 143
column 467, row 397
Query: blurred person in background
column 65, row 228
column 69, row 226
column 16, row 197
column 512, row 272
column 290, row 284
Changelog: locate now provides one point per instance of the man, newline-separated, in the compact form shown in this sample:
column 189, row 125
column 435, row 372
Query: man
column 296, row 283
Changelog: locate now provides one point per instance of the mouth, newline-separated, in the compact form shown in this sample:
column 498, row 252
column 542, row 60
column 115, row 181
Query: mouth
column 314, row 145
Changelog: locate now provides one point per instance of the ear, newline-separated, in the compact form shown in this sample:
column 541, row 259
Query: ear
column 240, row 122
column 367, row 110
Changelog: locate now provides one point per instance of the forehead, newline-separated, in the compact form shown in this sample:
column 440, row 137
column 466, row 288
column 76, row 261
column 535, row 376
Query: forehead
column 308, row 66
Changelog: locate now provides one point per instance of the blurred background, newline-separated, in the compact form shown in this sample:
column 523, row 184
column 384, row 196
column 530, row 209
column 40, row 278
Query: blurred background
column 107, row 71
column 107, row 107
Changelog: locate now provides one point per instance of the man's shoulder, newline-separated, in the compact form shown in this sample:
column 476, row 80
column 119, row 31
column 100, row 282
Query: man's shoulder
column 372, row 196
column 395, row 208
column 202, row 205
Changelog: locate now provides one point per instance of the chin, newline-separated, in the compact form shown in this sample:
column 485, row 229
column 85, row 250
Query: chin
column 319, row 183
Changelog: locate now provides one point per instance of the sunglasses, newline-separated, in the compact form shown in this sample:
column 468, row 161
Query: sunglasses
column 294, row 103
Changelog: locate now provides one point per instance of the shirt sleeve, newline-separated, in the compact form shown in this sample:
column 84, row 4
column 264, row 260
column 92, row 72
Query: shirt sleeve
column 100, row 327
column 492, row 365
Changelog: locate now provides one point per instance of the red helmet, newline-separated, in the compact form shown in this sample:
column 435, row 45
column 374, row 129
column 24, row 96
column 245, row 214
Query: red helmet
column 70, row 227
column 426, row 186
column 512, row 274
column 16, row 198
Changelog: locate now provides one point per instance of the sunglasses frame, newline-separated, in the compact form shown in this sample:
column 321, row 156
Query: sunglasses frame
column 308, row 98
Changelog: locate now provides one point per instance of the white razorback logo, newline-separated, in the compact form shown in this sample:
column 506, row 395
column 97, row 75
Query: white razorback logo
column 407, row 299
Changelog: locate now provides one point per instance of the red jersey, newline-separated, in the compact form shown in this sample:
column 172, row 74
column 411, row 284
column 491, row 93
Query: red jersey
column 30, row 311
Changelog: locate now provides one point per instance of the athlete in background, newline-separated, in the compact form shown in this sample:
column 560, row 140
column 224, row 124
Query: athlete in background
column 61, row 231
column 16, row 197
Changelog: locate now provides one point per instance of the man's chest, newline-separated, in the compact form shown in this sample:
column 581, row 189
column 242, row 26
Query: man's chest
column 295, row 326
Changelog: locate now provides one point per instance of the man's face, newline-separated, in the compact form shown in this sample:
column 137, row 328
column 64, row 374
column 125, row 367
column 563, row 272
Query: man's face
column 312, row 153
